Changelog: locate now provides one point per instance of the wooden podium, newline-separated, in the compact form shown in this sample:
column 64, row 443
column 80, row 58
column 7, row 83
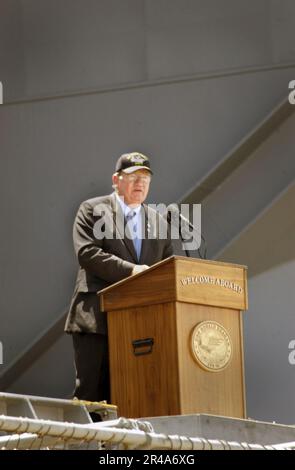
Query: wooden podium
column 176, row 339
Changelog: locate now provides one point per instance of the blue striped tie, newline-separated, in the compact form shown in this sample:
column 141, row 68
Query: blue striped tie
column 133, row 229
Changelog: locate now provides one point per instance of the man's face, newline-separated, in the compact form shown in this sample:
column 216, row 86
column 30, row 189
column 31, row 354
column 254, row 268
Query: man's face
column 134, row 187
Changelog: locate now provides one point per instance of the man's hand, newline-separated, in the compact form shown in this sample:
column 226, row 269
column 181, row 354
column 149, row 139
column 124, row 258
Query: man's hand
column 138, row 268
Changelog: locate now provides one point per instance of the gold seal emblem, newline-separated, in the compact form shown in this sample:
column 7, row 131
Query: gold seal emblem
column 211, row 346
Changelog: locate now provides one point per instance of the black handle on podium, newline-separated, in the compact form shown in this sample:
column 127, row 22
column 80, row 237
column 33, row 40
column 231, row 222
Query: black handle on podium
column 142, row 346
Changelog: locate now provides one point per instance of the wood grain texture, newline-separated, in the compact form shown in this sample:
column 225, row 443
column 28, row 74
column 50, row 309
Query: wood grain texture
column 153, row 286
column 183, row 279
column 146, row 385
column 220, row 393
column 156, row 304
column 243, row 362
column 211, row 283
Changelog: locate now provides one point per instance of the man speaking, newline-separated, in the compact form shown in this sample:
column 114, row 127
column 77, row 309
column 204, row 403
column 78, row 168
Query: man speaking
column 115, row 236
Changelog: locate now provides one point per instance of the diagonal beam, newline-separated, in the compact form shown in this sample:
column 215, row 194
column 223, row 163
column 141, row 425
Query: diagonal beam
column 27, row 357
column 239, row 154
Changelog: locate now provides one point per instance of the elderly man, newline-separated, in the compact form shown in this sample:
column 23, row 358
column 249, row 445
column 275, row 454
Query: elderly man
column 107, row 254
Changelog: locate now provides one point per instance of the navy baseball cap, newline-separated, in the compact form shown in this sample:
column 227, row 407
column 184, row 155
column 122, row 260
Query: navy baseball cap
column 130, row 162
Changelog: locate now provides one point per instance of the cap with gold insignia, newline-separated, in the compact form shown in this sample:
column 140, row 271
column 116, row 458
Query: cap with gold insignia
column 130, row 162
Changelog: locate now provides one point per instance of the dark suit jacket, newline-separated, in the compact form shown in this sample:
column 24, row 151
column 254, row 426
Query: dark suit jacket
column 107, row 260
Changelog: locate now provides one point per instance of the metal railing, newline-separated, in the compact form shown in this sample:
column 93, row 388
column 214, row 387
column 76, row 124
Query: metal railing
column 28, row 433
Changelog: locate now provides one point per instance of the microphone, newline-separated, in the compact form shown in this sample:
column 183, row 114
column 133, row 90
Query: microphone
column 173, row 212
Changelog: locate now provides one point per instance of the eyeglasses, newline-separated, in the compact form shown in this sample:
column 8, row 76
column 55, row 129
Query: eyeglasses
column 133, row 178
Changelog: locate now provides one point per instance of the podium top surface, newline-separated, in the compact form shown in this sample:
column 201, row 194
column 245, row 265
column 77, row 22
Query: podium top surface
column 181, row 279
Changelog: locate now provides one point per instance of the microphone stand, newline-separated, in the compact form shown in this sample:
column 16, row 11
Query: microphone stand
column 191, row 226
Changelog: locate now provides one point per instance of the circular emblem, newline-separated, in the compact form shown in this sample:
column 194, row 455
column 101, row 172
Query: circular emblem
column 211, row 346
column 137, row 158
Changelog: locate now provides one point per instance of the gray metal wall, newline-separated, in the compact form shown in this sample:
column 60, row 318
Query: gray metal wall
column 267, row 248
column 182, row 80
column 269, row 328
column 58, row 46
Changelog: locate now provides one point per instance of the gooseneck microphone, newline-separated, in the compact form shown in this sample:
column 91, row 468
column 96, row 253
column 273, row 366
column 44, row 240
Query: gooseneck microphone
column 174, row 216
